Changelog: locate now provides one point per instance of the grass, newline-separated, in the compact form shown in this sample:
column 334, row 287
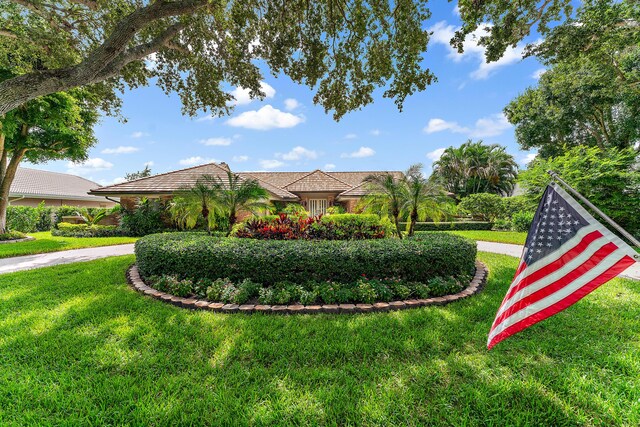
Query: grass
column 514, row 237
column 45, row 242
column 78, row 347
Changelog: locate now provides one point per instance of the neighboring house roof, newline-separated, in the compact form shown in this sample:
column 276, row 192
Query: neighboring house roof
column 40, row 184
column 283, row 185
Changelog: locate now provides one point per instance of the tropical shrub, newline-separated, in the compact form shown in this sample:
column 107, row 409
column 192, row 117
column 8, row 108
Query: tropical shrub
column 22, row 218
column 331, row 227
column 294, row 209
column 196, row 255
column 45, row 217
column 336, row 210
column 148, row 217
column 483, row 206
column 11, row 235
column 66, row 229
column 522, row 221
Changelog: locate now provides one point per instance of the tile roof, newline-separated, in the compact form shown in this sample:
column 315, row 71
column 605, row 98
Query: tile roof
column 280, row 184
column 169, row 182
column 36, row 183
column 317, row 181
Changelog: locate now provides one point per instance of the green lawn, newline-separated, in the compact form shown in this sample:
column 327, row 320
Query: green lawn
column 515, row 237
column 78, row 347
column 45, row 242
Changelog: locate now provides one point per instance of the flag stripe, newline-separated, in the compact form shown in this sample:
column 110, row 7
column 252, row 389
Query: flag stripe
column 574, row 262
column 552, row 286
column 600, row 269
column 554, row 265
column 567, row 246
column 560, row 305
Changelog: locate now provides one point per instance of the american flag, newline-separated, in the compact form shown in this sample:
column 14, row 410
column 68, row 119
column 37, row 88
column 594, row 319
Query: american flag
column 568, row 254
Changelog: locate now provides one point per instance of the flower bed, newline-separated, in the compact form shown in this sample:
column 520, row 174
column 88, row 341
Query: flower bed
column 306, row 272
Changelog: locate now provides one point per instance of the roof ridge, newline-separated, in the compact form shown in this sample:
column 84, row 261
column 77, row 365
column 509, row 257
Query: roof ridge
column 311, row 173
column 266, row 182
column 166, row 173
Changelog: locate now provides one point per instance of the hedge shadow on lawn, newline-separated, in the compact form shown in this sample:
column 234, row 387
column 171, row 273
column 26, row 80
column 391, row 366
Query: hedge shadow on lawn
column 155, row 363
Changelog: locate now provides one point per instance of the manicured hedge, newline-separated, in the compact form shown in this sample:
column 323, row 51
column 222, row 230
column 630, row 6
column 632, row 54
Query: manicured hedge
column 441, row 226
column 11, row 235
column 196, row 255
column 66, row 229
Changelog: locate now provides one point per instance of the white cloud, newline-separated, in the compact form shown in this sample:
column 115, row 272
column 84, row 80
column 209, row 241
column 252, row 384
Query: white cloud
column 298, row 153
column 538, row 73
column 240, row 158
column 197, row 160
column 265, row 118
column 439, row 125
column 528, row 158
column 215, row 141
column 442, row 34
column 149, row 163
column 435, row 154
column 362, row 152
column 139, row 134
column 375, row 132
column 350, row 136
column 90, row 165
column 271, row 164
column 492, row 125
column 243, row 97
column 118, row 180
column 122, row 149
column 329, row 167
column 291, row 104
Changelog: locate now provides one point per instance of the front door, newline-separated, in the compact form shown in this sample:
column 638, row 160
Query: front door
column 317, row 206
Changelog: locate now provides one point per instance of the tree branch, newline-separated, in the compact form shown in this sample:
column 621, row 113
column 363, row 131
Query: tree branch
column 4, row 32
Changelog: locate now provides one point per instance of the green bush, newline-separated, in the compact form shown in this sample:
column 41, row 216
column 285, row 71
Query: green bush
column 443, row 226
column 514, row 204
column 502, row 225
column 294, row 209
column 522, row 221
column 11, row 235
column 22, row 218
column 484, row 206
column 196, row 255
column 336, row 210
column 66, row 229
column 148, row 217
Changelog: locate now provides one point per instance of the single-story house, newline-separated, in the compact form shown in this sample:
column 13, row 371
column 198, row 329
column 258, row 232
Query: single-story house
column 30, row 187
column 315, row 190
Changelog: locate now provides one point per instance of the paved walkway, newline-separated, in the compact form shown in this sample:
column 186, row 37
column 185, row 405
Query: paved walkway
column 28, row 262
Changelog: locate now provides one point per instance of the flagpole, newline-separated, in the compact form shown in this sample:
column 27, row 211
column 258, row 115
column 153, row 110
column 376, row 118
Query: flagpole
column 622, row 231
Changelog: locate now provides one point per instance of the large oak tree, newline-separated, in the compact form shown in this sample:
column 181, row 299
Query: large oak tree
column 344, row 49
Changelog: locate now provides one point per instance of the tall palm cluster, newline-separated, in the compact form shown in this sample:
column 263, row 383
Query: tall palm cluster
column 412, row 197
column 476, row 168
column 214, row 197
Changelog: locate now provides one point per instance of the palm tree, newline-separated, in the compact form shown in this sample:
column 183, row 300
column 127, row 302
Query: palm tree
column 236, row 194
column 422, row 198
column 476, row 168
column 385, row 197
column 191, row 202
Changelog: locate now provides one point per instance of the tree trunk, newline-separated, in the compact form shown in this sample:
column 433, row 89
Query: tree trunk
column 414, row 219
column 205, row 214
column 233, row 218
column 5, row 181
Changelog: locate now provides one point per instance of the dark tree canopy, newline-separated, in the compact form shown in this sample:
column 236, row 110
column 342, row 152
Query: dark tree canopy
column 591, row 93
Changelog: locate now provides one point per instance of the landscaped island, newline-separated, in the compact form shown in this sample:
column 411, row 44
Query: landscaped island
column 305, row 271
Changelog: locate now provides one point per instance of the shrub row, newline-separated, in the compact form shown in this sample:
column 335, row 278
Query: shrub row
column 196, row 255
column 84, row 230
column 29, row 219
column 328, row 227
column 441, row 226
column 11, row 235
column 367, row 291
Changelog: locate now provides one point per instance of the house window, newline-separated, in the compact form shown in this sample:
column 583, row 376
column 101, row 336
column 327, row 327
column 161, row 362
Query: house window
column 317, row 206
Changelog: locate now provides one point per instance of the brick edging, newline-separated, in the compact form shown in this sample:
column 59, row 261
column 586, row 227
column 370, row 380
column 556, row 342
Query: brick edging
column 475, row 286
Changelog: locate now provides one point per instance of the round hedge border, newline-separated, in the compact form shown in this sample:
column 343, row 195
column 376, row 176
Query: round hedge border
column 24, row 239
column 475, row 286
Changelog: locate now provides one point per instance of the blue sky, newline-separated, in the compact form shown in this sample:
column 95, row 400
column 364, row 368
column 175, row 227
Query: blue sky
column 286, row 132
